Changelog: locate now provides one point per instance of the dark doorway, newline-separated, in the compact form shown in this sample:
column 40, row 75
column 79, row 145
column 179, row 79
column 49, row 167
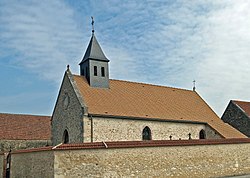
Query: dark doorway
column 146, row 134
column 65, row 137
column 202, row 134
column 8, row 166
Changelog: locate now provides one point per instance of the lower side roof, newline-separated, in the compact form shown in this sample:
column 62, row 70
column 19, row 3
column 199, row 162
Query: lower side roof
column 24, row 127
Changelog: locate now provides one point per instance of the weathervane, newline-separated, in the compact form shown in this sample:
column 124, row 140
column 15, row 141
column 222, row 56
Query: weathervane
column 194, row 85
column 92, row 23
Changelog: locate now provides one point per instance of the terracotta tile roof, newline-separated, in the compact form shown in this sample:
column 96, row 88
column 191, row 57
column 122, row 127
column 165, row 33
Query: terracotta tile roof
column 136, row 144
column 24, row 127
column 151, row 143
column 244, row 105
column 150, row 101
column 47, row 148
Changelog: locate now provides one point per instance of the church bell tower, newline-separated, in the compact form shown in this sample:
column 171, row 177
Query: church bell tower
column 94, row 65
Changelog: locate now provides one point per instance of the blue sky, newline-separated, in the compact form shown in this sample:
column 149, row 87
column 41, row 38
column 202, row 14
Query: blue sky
column 169, row 43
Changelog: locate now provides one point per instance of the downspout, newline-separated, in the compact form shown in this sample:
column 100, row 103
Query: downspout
column 91, row 128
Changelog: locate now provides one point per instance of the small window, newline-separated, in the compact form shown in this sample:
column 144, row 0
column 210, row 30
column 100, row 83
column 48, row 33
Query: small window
column 95, row 70
column 103, row 71
column 65, row 137
column 202, row 134
column 146, row 134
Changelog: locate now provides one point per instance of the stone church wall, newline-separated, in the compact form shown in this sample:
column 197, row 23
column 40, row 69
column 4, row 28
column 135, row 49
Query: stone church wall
column 169, row 161
column 32, row 164
column 211, row 133
column 237, row 118
column 113, row 129
column 6, row 145
column 67, row 115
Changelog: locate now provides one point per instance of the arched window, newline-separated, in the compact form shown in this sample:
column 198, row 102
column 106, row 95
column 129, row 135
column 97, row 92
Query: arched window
column 146, row 134
column 65, row 137
column 202, row 134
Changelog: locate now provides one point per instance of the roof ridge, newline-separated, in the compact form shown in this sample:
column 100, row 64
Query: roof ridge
column 149, row 84
column 24, row 114
column 241, row 101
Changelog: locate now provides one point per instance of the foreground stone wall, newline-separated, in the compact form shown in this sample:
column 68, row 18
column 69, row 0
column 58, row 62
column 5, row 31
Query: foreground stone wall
column 113, row 129
column 32, row 165
column 6, row 145
column 1, row 164
column 169, row 161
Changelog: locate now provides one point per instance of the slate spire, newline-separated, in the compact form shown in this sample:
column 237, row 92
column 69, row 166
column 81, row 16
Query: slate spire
column 94, row 64
column 94, row 51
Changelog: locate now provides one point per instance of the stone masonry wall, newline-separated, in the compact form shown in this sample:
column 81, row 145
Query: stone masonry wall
column 1, row 164
column 237, row 118
column 169, row 161
column 112, row 129
column 6, row 145
column 211, row 133
column 32, row 165
column 67, row 115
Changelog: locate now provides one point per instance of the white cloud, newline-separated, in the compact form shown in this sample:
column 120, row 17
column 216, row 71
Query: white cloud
column 209, row 42
column 43, row 34
column 223, row 72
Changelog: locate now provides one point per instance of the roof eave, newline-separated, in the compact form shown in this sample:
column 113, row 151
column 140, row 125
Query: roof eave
column 144, row 118
column 83, row 60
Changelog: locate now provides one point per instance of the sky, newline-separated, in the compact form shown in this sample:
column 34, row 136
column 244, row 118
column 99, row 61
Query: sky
column 162, row 42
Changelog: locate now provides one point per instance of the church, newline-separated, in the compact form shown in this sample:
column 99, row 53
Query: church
column 91, row 107
column 102, row 127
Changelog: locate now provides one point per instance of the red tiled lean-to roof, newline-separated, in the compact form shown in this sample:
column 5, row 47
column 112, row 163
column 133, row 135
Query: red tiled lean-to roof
column 24, row 127
column 136, row 144
column 151, row 143
column 244, row 105
column 141, row 100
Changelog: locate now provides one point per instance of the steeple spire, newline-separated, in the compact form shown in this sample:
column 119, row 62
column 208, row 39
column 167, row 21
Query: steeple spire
column 94, row 64
column 94, row 50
